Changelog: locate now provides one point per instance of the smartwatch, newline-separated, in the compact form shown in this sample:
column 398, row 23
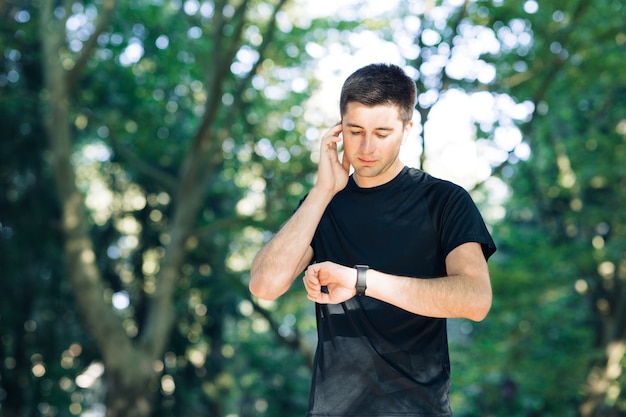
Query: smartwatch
column 361, row 285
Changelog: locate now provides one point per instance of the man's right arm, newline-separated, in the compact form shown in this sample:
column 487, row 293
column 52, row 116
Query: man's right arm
column 289, row 252
column 277, row 265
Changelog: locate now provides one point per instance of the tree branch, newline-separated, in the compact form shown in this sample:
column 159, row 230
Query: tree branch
column 84, row 276
column 201, row 157
column 104, row 20
column 168, row 181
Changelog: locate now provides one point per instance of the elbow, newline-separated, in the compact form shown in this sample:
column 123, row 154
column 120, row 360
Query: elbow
column 480, row 309
column 260, row 288
column 479, row 315
column 260, row 292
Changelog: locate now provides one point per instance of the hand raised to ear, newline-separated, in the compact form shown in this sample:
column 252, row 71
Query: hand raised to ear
column 332, row 175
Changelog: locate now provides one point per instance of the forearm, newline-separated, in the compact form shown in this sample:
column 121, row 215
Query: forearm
column 464, row 293
column 450, row 297
column 288, row 253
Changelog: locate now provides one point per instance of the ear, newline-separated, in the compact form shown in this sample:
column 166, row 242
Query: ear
column 407, row 130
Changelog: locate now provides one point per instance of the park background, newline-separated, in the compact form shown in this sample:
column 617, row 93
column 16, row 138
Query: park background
column 150, row 147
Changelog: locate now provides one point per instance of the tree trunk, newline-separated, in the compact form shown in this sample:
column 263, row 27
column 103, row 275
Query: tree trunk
column 130, row 376
column 131, row 387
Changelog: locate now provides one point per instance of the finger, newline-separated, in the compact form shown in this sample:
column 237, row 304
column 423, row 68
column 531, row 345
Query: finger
column 345, row 163
column 313, row 293
column 319, row 298
column 311, row 282
column 312, row 271
column 333, row 133
column 307, row 283
column 336, row 130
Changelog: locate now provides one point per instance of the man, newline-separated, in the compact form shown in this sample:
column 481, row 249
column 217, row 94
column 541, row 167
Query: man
column 390, row 252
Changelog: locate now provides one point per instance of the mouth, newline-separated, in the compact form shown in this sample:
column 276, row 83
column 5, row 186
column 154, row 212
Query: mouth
column 366, row 161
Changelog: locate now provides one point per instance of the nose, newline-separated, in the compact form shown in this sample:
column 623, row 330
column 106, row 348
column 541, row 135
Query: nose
column 367, row 144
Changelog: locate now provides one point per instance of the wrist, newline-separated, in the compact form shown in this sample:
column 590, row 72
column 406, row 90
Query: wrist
column 321, row 195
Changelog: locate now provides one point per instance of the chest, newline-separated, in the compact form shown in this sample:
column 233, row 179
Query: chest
column 395, row 234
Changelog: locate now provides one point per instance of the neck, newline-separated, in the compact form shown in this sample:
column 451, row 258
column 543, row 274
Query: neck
column 366, row 181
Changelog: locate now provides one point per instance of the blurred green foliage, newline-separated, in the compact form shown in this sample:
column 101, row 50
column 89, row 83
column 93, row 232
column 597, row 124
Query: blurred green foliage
column 551, row 345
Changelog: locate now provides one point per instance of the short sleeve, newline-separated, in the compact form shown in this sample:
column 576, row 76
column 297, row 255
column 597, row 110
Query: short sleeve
column 458, row 220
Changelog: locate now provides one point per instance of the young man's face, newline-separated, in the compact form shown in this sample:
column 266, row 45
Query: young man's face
column 371, row 141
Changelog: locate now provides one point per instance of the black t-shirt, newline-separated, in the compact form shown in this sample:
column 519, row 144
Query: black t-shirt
column 374, row 359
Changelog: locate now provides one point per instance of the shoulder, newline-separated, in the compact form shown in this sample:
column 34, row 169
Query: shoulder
column 442, row 197
column 436, row 187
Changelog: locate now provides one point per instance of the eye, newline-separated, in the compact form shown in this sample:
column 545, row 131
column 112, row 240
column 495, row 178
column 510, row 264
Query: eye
column 355, row 132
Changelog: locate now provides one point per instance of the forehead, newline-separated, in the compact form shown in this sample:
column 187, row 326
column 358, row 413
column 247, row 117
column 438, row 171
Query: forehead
column 383, row 116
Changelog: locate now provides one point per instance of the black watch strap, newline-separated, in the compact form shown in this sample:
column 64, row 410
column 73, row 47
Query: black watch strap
column 361, row 285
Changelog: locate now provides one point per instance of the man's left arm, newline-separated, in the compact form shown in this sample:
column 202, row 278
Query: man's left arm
column 464, row 293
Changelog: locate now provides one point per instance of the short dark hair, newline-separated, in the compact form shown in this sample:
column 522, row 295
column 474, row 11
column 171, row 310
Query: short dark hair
column 380, row 84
